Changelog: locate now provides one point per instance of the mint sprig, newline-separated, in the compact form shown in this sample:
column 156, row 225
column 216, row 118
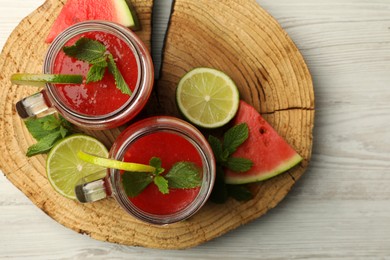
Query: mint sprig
column 182, row 175
column 135, row 182
column 95, row 53
column 223, row 150
column 232, row 139
column 162, row 184
column 46, row 130
column 119, row 80
column 86, row 49
column 95, row 73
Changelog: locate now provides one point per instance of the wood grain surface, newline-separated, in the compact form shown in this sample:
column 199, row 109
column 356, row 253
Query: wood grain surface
column 339, row 209
column 249, row 45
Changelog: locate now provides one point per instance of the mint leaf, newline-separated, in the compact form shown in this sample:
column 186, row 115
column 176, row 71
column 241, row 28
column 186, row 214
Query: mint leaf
column 232, row 139
column 135, row 182
column 51, row 123
column 225, row 155
column 85, row 49
column 184, row 175
column 235, row 136
column 162, row 184
column 119, row 80
column 63, row 131
column 156, row 163
column 238, row 164
column 44, row 144
column 95, row 73
column 239, row 192
column 66, row 124
column 38, row 127
column 219, row 193
column 90, row 51
column 216, row 146
column 95, row 53
column 46, row 130
column 101, row 61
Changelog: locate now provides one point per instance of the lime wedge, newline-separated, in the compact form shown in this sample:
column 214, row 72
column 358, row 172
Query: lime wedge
column 41, row 79
column 114, row 164
column 64, row 168
column 207, row 97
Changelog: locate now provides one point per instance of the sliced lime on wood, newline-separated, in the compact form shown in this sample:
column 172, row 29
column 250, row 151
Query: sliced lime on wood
column 41, row 79
column 207, row 97
column 64, row 168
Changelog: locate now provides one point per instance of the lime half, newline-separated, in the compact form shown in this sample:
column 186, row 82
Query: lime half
column 114, row 164
column 64, row 168
column 41, row 79
column 207, row 97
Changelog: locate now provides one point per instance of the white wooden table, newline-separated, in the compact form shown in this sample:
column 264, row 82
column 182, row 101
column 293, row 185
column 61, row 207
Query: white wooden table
column 340, row 209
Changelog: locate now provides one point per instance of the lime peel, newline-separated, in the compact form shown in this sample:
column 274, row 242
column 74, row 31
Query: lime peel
column 114, row 164
column 41, row 79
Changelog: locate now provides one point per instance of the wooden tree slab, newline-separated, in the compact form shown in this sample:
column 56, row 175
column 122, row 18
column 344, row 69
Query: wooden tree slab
column 235, row 36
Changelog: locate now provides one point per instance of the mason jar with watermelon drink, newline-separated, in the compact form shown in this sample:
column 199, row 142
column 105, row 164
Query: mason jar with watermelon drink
column 95, row 105
column 173, row 141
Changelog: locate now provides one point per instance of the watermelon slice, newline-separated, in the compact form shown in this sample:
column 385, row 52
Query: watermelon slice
column 74, row 11
column 269, row 152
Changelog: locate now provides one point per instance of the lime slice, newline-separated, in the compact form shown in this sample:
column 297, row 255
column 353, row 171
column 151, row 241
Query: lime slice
column 207, row 97
column 64, row 168
column 114, row 164
column 41, row 79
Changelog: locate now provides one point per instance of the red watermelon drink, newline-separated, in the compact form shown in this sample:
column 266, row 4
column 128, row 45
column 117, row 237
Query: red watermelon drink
column 173, row 141
column 96, row 105
column 170, row 148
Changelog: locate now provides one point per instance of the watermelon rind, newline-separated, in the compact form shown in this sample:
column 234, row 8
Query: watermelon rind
column 262, row 176
column 126, row 11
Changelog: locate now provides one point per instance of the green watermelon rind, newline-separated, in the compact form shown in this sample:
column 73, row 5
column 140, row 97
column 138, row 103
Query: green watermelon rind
column 283, row 167
column 136, row 25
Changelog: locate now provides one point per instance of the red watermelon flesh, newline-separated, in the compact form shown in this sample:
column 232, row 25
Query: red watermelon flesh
column 269, row 152
column 74, row 11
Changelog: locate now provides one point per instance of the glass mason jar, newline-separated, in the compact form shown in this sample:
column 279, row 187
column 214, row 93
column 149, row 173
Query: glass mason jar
column 169, row 133
column 49, row 99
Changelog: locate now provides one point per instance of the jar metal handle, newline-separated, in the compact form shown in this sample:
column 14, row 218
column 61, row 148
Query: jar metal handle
column 90, row 191
column 32, row 106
